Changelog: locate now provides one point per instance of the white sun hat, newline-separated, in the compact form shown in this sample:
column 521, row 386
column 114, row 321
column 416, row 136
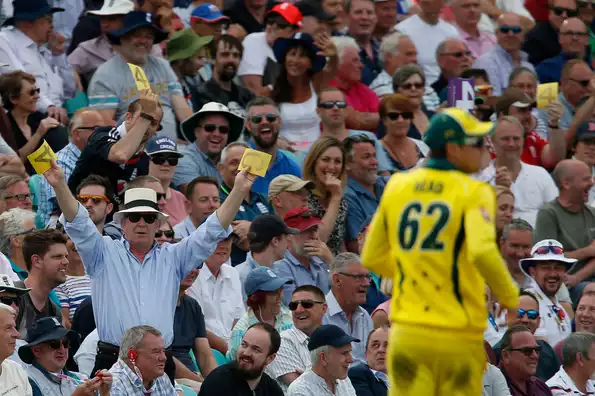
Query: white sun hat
column 236, row 122
column 140, row 200
column 114, row 7
column 546, row 250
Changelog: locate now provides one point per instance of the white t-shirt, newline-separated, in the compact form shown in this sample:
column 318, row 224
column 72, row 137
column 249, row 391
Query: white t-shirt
column 256, row 53
column 300, row 123
column 13, row 380
column 486, row 24
column 6, row 268
column 86, row 354
column 426, row 39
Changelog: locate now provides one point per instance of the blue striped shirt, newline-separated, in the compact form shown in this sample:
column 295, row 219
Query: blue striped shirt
column 73, row 292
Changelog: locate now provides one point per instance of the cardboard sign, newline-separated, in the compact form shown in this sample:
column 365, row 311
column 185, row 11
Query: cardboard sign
column 257, row 161
column 460, row 93
column 546, row 94
column 41, row 158
column 142, row 82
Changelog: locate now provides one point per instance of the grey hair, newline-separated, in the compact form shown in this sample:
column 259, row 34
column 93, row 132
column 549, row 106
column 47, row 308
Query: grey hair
column 404, row 72
column 342, row 43
column 134, row 337
column 516, row 225
column 521, row 70
column 390, row 44
column 315, row 354
column 7, row 308
column 513, row 120
column 442, row 46
column 342, row 261
column 7, row 220
column 7, row 181
column 576, row 343
column 141, row 181
column 225, row 151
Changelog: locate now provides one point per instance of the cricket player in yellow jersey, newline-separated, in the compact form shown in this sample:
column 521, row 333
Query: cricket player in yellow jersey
column 434, row 234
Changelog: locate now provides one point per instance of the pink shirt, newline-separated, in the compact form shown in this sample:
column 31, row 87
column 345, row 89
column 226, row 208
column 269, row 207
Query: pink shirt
column 385, row 306
column 175, row 207
column 360, row 97
column 478, row 45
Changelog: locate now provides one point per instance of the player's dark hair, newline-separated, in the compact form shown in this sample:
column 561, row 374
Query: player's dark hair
column 274, row 336
column 229, row 42
column 96, row 180
column 506, row 342
column 39, row 243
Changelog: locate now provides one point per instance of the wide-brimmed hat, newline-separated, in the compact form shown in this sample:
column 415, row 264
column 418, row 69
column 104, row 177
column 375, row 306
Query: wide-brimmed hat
column 136, row 20
column 140, row 200
column 546, row 250
column 236, row 123
column 30, row 10
column 513, row 97
column 114, row 7
column 304, row 40
column 44, row 330
column 184, row 44
column 7, row 284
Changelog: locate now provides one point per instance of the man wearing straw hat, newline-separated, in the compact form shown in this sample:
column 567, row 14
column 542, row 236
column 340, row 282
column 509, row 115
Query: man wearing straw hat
column 134, row 280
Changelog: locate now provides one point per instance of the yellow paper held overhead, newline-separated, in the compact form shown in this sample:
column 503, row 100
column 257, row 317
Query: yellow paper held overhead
column 257, row 161
column 142, row 82
column 546, row 94
column 41, row 158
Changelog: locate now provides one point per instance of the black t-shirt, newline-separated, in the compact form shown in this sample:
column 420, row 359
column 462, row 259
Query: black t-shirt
column 94, row 160
column 236, row 99
column 239, row 14
column 189, row 324
column 225, row 380
column 28, row 314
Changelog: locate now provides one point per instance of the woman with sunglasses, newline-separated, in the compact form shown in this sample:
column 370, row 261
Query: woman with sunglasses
column 410, row 81
column 404, row 152
column 165, row 234
column 29, row 126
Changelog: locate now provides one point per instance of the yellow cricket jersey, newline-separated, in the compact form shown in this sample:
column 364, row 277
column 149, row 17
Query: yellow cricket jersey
column 434, row 234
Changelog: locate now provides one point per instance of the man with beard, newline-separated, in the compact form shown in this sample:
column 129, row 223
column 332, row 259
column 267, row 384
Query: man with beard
column 263, row 123
column 221, row 88
column 245, row 375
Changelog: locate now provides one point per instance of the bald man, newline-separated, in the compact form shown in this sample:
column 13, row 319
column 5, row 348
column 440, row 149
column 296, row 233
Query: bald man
column 574, row 40
column 453, row 57
column 571, row 221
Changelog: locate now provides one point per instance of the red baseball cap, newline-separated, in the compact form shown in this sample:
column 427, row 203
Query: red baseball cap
column 302, row 218
column 289, row 12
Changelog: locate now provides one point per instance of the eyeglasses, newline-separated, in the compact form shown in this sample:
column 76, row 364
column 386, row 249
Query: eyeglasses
column 394, row 115
column 582, row 83
column 505, row 29
column 159, row 160
column 359, row 277
column 307, row 304
column 561, row 10
column 168, row 234
column 270, row 117
column 97, row 199
column 531, row 313
column 56, row 344
column 210, row 128
column 527, row 351
column 149, row 218
column 341, row 104
column 547, row 249
column 576, row 34
column 88, row 128
column 9, row 300
column 34, row 91
column 458, row 54
column 412, row 85
column 19, row 197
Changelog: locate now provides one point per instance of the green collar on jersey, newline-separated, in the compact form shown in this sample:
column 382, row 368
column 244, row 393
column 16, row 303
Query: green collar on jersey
column 440, row 164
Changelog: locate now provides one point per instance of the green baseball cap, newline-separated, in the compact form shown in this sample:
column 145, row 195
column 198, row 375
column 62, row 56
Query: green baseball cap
column 184, row 43
column 456, row 126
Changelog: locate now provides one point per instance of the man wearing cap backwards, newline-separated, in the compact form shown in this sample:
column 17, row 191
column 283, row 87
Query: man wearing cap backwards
column 330, row 351
column 547, row 267
column 434, row 235
column 46, row 354
column 12, row 375
column 287, row 192
column 130, row 296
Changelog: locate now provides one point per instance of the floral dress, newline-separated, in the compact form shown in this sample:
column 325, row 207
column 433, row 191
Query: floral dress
column 338, row 233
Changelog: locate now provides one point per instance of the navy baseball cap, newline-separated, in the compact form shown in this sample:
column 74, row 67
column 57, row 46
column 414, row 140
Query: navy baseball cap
column 262, row 278
column 162, row 145
column 268, row 226
column 585, row 130
column 209, row 13
column 329, row 335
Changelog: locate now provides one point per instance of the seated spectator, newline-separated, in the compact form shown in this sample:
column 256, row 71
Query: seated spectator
column 575, row 374
column 584, row 320
column 506, row 55
column 307, row 309
column 409, row 81
column 46, row 353
column 81, row 127
column 387, row 17
column 15, row 224
column 483, row 108
column 263, row 123
column 396, row 50
column 287, row 192
column 542, row 41
column 139, row 369
column 94, row 194
column 573, row 37
column 165, row 234
column 349, row 288
column 244, row 375
column 133, row 43
column 164, row 156
column 10, row 163
column 29, row 127
column 330, row 351
column 531, row 185
column 380, row 315
column 258, row 68
column 12, row 375
column 520, row 352
column 315, row 20
column 207, row 20
column 371, row 379
column 14, row 193
column 307, row 258
column 23, row 47
column 117, row 153
column 264, row 290
column 11, row 292
column 202, row 199
column 583, row 149
column 361, row 24
column 454, row 57
column 467, row 14
column 209, row 129
column 398, row 114
column 494, row 383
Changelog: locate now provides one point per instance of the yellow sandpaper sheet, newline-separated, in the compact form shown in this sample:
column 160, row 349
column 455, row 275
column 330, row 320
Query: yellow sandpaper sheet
column 257, row 161
column 546, row 94
column 41, row 158
column 142, row 82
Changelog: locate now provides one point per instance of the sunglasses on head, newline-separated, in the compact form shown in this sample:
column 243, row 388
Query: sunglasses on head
column 547, row 249
column 527, row 351
column 412, row 85
column 507, row 29
column 531, row 313
column 167, row 233
column 210, row 128
column 149, row 218
column 341, row 104
column 559, row 11
column 395, row 115
column 307, row 304
column 97, row 199
column 270, row 117
column 56, row 344
column 159, row 160
column 9, row 300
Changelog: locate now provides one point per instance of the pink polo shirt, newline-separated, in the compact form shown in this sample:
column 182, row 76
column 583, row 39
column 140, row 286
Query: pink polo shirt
column 175, row 207
column 360, row 97
column 478, row 45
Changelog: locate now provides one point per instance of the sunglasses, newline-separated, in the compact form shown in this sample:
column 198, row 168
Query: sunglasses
column 394, row 115
column 359, row 277
column 531, row 313
column 341, row 104
column 149, row 218
column 19, row 197
column 9, row 300
column 505, row 29
column 210, row 128
column 34, row 91
column 97, row 199
column 582, row 83
column 561, row 10
column 161, row 196
column 527, row 351
column 270, row 117
column 153, row 120
column 56, row 344
column 168, row 234
column 412, row 85
column 458, row 54
column 575, row 34
column 483, row 89
column 307, row 304
column 158, row 160
column 547, row 249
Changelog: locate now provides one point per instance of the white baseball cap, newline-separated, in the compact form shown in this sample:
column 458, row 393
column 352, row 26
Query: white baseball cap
column 114, row 7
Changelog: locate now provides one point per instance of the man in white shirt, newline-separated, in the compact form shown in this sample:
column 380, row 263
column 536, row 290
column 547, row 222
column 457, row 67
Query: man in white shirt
column 396, row 50
column 547, row 267
column 578, row 365
column 13, row 379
